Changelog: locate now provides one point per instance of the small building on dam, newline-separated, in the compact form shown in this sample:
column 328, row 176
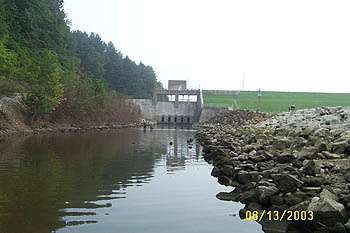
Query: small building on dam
column 175, row 105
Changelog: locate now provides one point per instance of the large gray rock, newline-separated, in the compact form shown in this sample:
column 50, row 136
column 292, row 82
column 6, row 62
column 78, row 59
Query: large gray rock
column 340, row 147
column 274, row 226
column 266, row 165
column 301, row 206
column 257, row 158
column 309, row 152
column 287, row 183
column 292, row 199
column 322, row 146
column 327, row 210
column 277, row 200
column 330, row 155
column 314, row 181
column 322, row 132
column 265, row 192
column 228, row 196
column 312, row 191
column 248, row 197
column 216, row 172
column 281, row 143
column 330, row 119
column 299, row 142
column 224, row 180
column 284, row 158
column 266, row 182
column 336, row 132
column 244, row 177
column 310, row 168
column 254, row 206
column 325, row 194
column 227, row 170
column 246, row 167
column 306, row 132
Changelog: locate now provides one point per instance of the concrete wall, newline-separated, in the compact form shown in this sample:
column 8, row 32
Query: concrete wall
column 185, row 112
column 163, row 110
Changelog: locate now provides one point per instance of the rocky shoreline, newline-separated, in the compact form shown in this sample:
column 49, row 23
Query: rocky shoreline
column 291, row 161
column 8, row 134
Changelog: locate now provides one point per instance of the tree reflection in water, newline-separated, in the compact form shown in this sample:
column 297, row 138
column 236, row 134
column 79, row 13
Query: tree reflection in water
column 48, row 181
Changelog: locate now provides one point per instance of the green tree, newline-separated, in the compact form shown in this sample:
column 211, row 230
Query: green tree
column 8, row 61
column 39, row 54
column 114, row 69
column 3, row 24
column 47, row 90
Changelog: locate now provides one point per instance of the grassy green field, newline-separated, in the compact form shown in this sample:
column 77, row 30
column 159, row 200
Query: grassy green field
column 275, row 101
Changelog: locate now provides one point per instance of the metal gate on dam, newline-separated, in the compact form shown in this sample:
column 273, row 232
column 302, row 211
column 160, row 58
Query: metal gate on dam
column 175, row 105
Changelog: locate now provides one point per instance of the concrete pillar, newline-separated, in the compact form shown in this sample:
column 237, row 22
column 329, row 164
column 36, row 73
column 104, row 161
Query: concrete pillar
column 176, row 100
column 199, row 105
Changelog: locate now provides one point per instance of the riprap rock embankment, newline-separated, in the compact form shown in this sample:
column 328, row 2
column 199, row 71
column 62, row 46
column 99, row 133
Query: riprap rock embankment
column 291, row 161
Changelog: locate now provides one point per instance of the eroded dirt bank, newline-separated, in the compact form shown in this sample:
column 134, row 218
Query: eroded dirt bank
column 15, row 121
column 290, row 161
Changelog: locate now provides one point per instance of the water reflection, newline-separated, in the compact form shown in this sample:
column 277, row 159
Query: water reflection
column 50, row 183
column 43, row 177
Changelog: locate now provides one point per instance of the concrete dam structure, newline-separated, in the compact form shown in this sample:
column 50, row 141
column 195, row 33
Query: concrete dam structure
column 176, row 105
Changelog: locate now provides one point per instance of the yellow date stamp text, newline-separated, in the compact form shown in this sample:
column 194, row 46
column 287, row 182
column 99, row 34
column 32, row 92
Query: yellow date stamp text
column 275, row 215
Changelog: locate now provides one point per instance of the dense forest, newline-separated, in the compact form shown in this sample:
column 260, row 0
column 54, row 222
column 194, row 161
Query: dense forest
column 60, row 71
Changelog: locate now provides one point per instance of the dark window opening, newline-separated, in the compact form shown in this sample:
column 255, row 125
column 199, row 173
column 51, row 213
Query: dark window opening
column 182, row 119
column 175, row 119
column 188, row 119
column 169, row 118
column 163, row 118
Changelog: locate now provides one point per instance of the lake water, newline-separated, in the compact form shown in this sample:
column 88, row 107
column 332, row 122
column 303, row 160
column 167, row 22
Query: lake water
column 125, row 181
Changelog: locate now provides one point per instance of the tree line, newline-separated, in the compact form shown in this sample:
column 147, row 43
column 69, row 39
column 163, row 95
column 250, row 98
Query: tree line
column 57, row 70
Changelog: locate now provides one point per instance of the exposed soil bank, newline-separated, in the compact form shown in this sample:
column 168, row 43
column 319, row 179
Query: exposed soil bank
column 15, row 121
column 291, row 161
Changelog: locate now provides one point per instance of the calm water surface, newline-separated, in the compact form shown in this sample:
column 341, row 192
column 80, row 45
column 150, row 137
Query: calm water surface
column 127, row 181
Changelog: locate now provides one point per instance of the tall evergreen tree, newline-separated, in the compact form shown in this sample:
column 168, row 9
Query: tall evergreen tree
column 33, row 30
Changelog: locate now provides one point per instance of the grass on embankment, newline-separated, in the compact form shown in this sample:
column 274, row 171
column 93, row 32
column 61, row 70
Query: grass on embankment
column 275, row 101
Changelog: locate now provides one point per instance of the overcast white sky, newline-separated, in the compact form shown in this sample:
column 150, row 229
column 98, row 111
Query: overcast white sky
column 285, row 45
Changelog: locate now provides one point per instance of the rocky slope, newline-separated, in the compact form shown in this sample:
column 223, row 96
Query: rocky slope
column 237, row 117
column 291, row 161
column 12, row 115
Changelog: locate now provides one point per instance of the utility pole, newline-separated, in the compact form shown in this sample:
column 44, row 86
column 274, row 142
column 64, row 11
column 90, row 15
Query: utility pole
column 259, row 99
